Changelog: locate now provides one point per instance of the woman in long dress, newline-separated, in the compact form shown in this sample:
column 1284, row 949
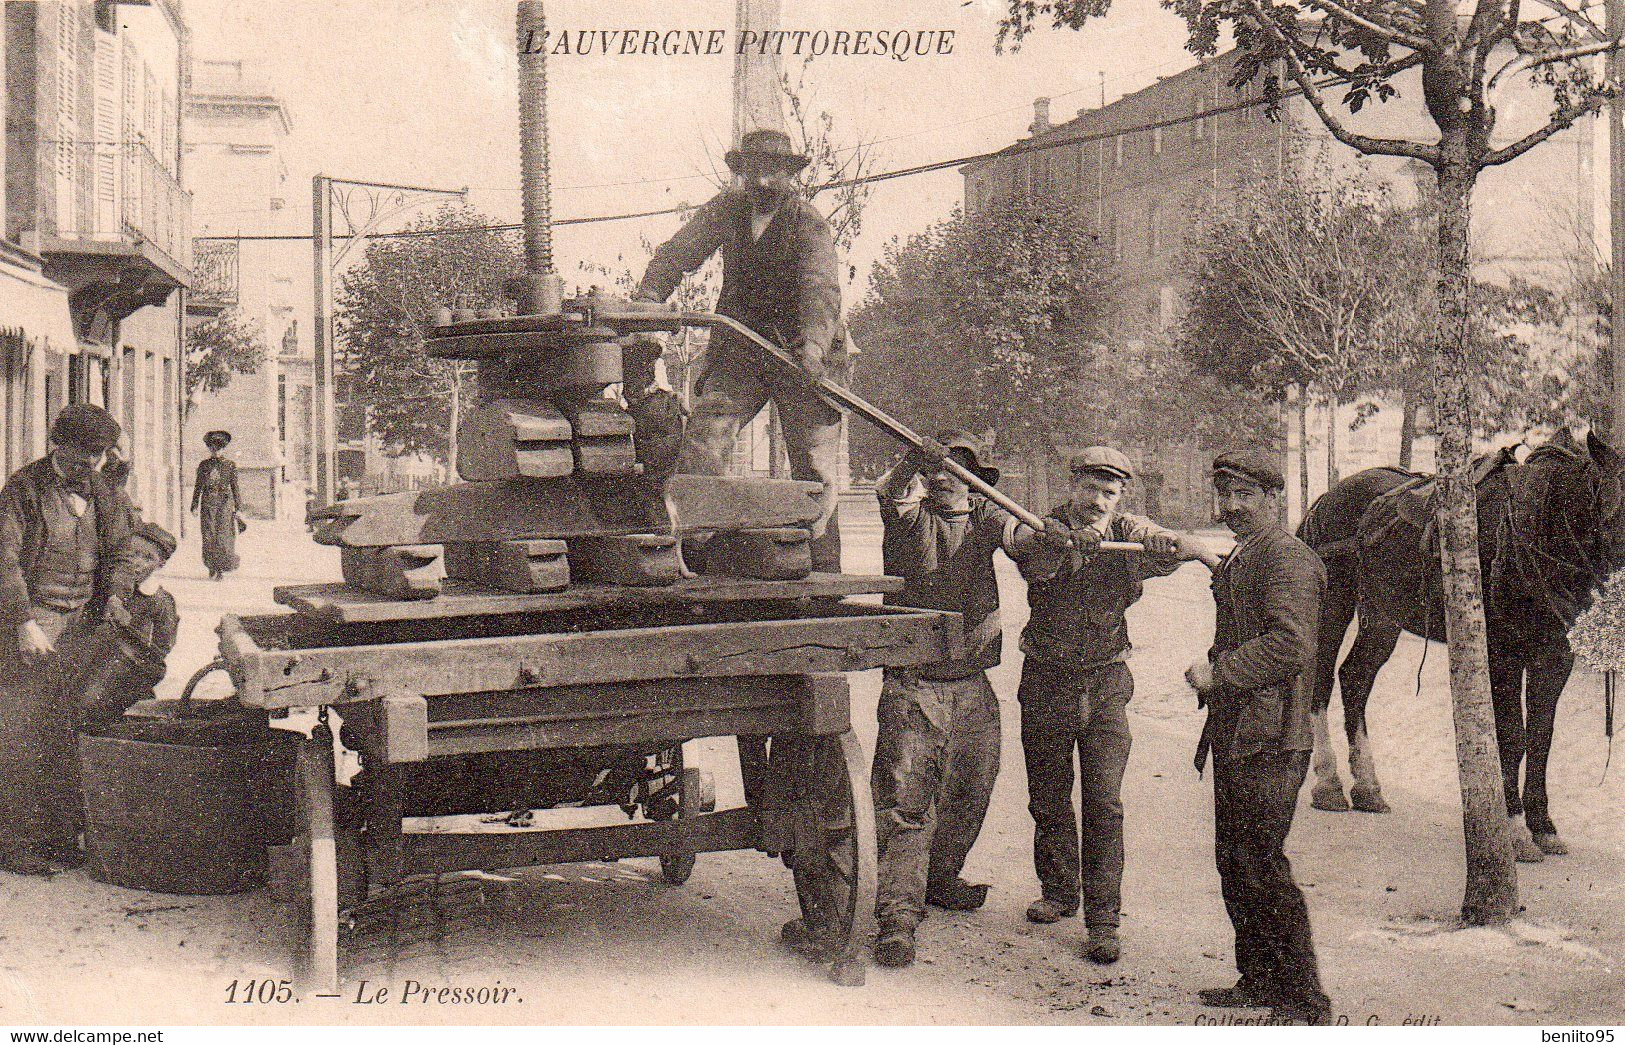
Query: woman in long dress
column 216, row 501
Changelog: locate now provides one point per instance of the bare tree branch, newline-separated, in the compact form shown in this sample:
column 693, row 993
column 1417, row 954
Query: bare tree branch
column 1562, row 54
column 1359, row 142
column 1391, row 34
column 1574, row 15
column 1561, row 122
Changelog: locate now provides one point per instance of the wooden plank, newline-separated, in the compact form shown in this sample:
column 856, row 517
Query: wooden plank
column 440, row 853
column 655, row 728
column 797, row 646
column 521, row 509
column 404, row 722
column 343, row 605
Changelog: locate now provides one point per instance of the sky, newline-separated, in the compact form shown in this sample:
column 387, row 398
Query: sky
column 424, row 93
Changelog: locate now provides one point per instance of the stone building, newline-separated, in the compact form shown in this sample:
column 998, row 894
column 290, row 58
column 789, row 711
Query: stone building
column 1148, row 165
column 96, row 225
column 237, row 135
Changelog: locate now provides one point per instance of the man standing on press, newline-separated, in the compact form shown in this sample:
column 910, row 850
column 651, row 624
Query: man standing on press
column 1256, row 683
column 1075, row 689
column 781, row 279
column 62, row 527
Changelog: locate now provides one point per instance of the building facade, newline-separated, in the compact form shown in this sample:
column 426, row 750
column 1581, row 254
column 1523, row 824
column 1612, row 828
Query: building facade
column 237, row 133
column 1146, row 168
column 95, row 207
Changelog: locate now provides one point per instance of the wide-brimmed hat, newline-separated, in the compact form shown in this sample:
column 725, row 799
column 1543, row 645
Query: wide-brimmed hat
column 1102, row 460
column 771, row 145
column 219, row 435
column 976, row 449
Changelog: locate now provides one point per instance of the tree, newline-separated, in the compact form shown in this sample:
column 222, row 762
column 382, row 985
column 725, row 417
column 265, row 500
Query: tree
column 1465, row 52
column 217, row 348
column 413, row 402
column 1305, row 281
column 989, row 320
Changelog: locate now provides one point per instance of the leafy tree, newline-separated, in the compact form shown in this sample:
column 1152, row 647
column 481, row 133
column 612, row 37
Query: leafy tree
column 1465, row 52
column 413, row 401
column 217, row 348
column 989, row 320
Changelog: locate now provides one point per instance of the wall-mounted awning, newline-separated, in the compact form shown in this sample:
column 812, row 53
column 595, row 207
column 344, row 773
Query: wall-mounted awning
column 36, row 308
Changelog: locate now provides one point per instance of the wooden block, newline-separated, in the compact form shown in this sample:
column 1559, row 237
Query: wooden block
column 778, row 553
column 602, row 439
column 529, row 566
column 826, row 704
column 404, row 572
column 638, row 559
column 405, row 724
column 514, row 438
column 517, row 509
column 517, row 566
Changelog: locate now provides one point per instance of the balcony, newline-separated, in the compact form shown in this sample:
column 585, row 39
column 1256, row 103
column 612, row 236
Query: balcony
column 214, row 277
column 118, row 236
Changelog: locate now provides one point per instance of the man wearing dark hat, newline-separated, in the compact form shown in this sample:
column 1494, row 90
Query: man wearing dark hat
column 1075, row 689
column 937, row 752
column 63, row 526
column 1256, row 683
column 781, row 279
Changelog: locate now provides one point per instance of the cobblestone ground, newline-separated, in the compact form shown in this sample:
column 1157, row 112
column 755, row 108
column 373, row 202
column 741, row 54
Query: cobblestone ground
column 610, row 943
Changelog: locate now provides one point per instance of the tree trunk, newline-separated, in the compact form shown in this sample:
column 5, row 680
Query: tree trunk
column 1407, row 426
column 1286, row 465
column 1492, row 880
column 456, row 419
column 1303, row 450
column 1331, row 440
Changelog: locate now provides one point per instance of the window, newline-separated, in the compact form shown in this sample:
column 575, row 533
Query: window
column 1117, row 151
column 1156, row 141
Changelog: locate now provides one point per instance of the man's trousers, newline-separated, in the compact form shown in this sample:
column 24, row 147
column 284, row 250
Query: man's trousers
column 936, row 758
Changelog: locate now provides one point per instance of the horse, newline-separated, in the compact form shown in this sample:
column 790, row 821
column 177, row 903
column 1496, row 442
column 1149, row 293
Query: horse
column 1551, row 530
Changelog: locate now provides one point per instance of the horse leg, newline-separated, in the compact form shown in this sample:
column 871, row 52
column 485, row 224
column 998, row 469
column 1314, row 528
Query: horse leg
column 1337, row 610
column 1547, row 677
column 1506, row 691
column 1373, row 645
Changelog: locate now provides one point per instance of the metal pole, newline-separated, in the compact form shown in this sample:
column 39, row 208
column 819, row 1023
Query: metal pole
column 321, row 409
column 1614, row 11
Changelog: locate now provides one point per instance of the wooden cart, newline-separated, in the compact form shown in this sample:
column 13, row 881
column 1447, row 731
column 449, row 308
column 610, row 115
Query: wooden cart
column 624, row 675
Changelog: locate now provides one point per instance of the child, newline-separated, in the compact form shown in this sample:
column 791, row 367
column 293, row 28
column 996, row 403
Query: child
column 124, row 658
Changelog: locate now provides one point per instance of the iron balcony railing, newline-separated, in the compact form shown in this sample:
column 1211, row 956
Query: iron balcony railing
column 214, row 273
column 110, row 191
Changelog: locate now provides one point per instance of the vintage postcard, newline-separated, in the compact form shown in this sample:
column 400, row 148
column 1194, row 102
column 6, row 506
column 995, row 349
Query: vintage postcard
column 811, row 512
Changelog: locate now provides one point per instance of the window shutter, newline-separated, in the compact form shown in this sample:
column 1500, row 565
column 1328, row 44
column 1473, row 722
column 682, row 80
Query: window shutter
column 130, row 128
column 107, row 150
column 67, row 115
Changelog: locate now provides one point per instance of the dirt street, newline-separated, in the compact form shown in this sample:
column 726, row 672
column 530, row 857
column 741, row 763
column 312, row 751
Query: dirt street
column 610, row 943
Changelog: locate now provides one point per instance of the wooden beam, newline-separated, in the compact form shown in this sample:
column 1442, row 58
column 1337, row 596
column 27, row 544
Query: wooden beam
column 710, row 833
column 854, row 641
column 524, row 509
column 343, row 605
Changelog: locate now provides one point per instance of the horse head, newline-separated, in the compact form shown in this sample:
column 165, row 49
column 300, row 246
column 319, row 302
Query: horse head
column 1566, row 520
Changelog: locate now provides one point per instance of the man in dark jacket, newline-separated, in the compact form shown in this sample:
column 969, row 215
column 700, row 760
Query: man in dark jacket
column 1256, row 685
column 937, row 752
column 1075, row 689
column 781, row 279
column 62, row 527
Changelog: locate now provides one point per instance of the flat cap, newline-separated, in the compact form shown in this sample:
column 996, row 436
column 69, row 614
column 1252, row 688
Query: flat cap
column 85, row 427
column 1104, row 460
column 1253, row 466
column 159, row 537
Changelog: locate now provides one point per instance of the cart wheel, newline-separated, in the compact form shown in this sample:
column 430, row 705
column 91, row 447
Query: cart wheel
column 834, row 857
column 316, row 793
column 697, row 794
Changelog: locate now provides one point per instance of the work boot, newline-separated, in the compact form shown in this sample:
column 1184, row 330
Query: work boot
column 1046, row 912
column 895, row 947
column 956, row 895
column 24, row 861
column 1243, row 995
column 1102, row 947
